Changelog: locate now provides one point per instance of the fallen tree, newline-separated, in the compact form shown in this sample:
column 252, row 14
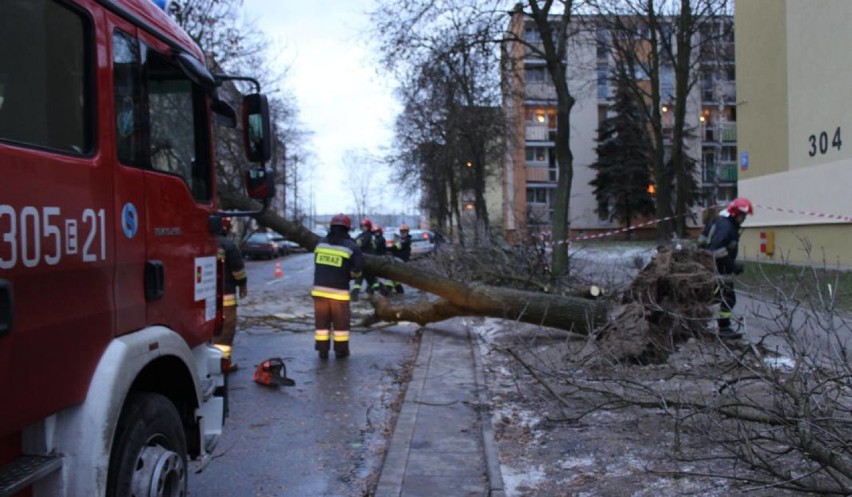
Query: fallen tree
column 457, row 298
column 667, row 303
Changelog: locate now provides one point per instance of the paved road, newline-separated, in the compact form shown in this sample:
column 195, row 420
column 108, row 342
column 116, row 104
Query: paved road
column 327, row 435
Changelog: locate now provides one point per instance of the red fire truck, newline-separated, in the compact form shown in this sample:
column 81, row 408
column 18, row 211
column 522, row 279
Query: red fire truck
column 108, row 267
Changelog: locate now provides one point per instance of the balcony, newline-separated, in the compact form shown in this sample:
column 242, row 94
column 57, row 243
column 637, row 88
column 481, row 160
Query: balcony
column 537, row 133
column 715, row 133
column 539, row 90
column 538, row 174
column 729, row 132
column 719, row 91
column 539, row 215
column 727, row 173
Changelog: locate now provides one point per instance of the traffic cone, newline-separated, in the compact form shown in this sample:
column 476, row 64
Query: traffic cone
column 278, row 272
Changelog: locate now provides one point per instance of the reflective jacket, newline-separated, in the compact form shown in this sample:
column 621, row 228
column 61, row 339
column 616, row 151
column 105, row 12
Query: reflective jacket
column 379, row 245
column 334, row 265
column 365, row 242
column 234, row 269
column 723, row 241
column 402, row 247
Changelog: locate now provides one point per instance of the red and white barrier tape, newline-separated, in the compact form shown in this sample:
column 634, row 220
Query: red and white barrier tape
column 821, row 215
column 620, row 230
column 611, row 233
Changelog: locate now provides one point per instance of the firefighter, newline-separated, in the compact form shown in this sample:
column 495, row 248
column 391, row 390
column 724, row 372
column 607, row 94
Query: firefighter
column 723, row 238
column 401, row 249
column 234, row 278
column 337, row 259
column 379, row 248
column 365, row 243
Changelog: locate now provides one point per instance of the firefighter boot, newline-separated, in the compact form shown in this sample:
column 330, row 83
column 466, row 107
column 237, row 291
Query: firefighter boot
column 398, row 288
column 322, row 347
column 726, row 332
column 341, row 349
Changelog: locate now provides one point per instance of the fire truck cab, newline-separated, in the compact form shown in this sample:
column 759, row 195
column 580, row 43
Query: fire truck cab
column 108, row 248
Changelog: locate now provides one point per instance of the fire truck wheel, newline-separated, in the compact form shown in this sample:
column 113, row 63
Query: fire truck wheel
column 149, row 450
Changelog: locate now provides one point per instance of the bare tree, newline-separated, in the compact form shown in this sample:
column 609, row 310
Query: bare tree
column 361, row 179
column 667, row 40
column 448, row 76
column 408, row 26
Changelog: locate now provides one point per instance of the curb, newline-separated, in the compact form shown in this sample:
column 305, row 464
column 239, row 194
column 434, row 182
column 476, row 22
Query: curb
column 396, row 458
column 489, row 445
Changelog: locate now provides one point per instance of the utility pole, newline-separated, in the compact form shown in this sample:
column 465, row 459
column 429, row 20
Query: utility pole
column 295, row 173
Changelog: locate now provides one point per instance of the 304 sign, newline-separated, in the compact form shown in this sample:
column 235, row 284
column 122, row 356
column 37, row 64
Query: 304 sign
column 819, row 144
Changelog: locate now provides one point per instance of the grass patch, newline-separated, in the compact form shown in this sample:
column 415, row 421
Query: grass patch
column 798, row 282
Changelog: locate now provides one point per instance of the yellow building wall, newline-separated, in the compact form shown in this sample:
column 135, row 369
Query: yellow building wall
column 761, row 66
column 794, row 76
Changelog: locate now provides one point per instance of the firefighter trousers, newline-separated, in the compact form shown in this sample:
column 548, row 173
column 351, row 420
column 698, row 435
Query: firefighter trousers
column 331, row 321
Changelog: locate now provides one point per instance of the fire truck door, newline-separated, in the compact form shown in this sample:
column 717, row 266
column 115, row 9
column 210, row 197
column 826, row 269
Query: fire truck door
column 56, row 216
column 181, row 251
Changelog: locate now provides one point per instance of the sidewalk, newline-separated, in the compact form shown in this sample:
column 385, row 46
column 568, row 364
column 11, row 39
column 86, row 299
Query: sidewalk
column 443, row 443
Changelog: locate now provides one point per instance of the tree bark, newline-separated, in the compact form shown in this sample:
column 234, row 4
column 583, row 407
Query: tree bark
column 473, row 299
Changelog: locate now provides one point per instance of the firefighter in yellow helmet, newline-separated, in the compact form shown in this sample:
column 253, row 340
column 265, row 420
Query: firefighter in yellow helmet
column 337, row 259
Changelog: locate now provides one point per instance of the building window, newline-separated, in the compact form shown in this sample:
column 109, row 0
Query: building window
column 532, row 36
column 539, row 208
column 538, row 115
column 603, row 113
column 603, row 82
column 667, row 82
column 602, row 39
column 707, row 93
column 729, row 154
column 537, row 195
column 537, row 154
column 535, row 74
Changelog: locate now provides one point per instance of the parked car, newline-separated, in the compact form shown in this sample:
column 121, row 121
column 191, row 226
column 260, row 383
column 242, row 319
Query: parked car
column 292, row 247
column 261, row 244
column 422, row 242
column 283, row 244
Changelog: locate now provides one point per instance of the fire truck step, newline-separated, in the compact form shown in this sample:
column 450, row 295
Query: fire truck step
column 24, row 471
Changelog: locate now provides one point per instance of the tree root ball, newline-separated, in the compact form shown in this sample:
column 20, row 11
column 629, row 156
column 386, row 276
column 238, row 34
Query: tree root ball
column 668, row 302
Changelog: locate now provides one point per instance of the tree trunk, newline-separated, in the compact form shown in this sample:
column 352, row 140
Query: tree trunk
column 472, row 299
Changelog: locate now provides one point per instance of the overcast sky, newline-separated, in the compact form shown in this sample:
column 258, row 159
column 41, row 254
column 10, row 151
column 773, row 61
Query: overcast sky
column 341, row 98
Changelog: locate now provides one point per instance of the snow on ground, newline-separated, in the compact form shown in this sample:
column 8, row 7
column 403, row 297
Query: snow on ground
column 624, row 452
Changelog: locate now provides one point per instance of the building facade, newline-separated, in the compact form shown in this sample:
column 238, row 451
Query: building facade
column 793, row 78
column 530, row 171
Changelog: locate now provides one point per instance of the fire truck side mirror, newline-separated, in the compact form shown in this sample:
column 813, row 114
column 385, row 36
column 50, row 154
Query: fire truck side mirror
column 257, row 135
column 260, row 184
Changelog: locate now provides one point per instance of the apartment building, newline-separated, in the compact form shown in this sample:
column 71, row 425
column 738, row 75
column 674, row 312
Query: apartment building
column 529, row 176
column 794, row 74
